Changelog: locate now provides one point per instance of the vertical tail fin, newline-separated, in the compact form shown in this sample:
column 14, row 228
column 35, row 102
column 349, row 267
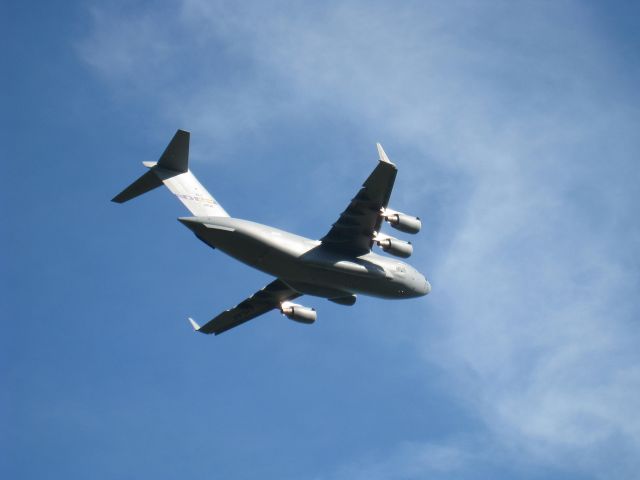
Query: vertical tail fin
column 176, row 156
column 172, row 169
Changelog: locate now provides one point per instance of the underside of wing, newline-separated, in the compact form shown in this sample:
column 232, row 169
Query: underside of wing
column 356, row 227
column 268, row 298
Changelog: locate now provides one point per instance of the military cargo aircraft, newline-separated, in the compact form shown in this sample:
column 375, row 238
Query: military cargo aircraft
column 337, row 267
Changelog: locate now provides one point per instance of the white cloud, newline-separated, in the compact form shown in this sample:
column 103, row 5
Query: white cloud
column 533, row 296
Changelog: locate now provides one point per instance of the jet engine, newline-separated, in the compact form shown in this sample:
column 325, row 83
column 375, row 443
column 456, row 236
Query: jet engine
column 402, row 222
column 298, row 313
column 396, row 247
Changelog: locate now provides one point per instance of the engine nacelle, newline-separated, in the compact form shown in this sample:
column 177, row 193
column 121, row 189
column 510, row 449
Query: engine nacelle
column 396, row 247
column 298, row 313
column 404, row 223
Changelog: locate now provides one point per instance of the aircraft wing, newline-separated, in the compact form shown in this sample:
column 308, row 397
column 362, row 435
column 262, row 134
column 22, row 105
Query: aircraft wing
column 355, row 228
column 268, row 298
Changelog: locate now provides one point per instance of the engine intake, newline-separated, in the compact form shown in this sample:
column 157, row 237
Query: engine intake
column 298, row 313
column 396, row 247
column 404, row 223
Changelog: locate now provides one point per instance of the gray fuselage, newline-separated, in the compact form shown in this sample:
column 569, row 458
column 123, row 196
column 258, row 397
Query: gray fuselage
column 307, row 265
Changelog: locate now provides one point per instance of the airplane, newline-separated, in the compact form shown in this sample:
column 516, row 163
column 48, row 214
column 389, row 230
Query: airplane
column 337, row 267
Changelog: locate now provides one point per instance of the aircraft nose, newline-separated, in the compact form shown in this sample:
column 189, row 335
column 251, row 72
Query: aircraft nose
column 421, row 286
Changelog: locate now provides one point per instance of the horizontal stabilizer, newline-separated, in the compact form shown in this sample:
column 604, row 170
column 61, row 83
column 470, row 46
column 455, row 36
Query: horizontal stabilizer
column 145, row 183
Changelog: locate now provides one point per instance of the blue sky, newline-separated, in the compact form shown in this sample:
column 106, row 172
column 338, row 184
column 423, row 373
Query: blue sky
column 515, row 129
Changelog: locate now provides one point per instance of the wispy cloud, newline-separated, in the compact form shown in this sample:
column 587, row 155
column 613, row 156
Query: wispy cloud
column 526, row 129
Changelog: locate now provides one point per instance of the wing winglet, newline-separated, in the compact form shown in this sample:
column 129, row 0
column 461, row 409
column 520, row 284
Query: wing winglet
column 193, row 323
column 382, row 155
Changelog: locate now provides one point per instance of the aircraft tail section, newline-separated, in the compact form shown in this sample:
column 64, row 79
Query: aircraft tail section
column 172, row 169
column 145, row 183
column 176, row 156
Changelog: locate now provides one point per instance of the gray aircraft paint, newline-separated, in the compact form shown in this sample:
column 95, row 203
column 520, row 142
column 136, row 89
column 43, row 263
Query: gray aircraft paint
column 338, row 267
column 305, row 263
